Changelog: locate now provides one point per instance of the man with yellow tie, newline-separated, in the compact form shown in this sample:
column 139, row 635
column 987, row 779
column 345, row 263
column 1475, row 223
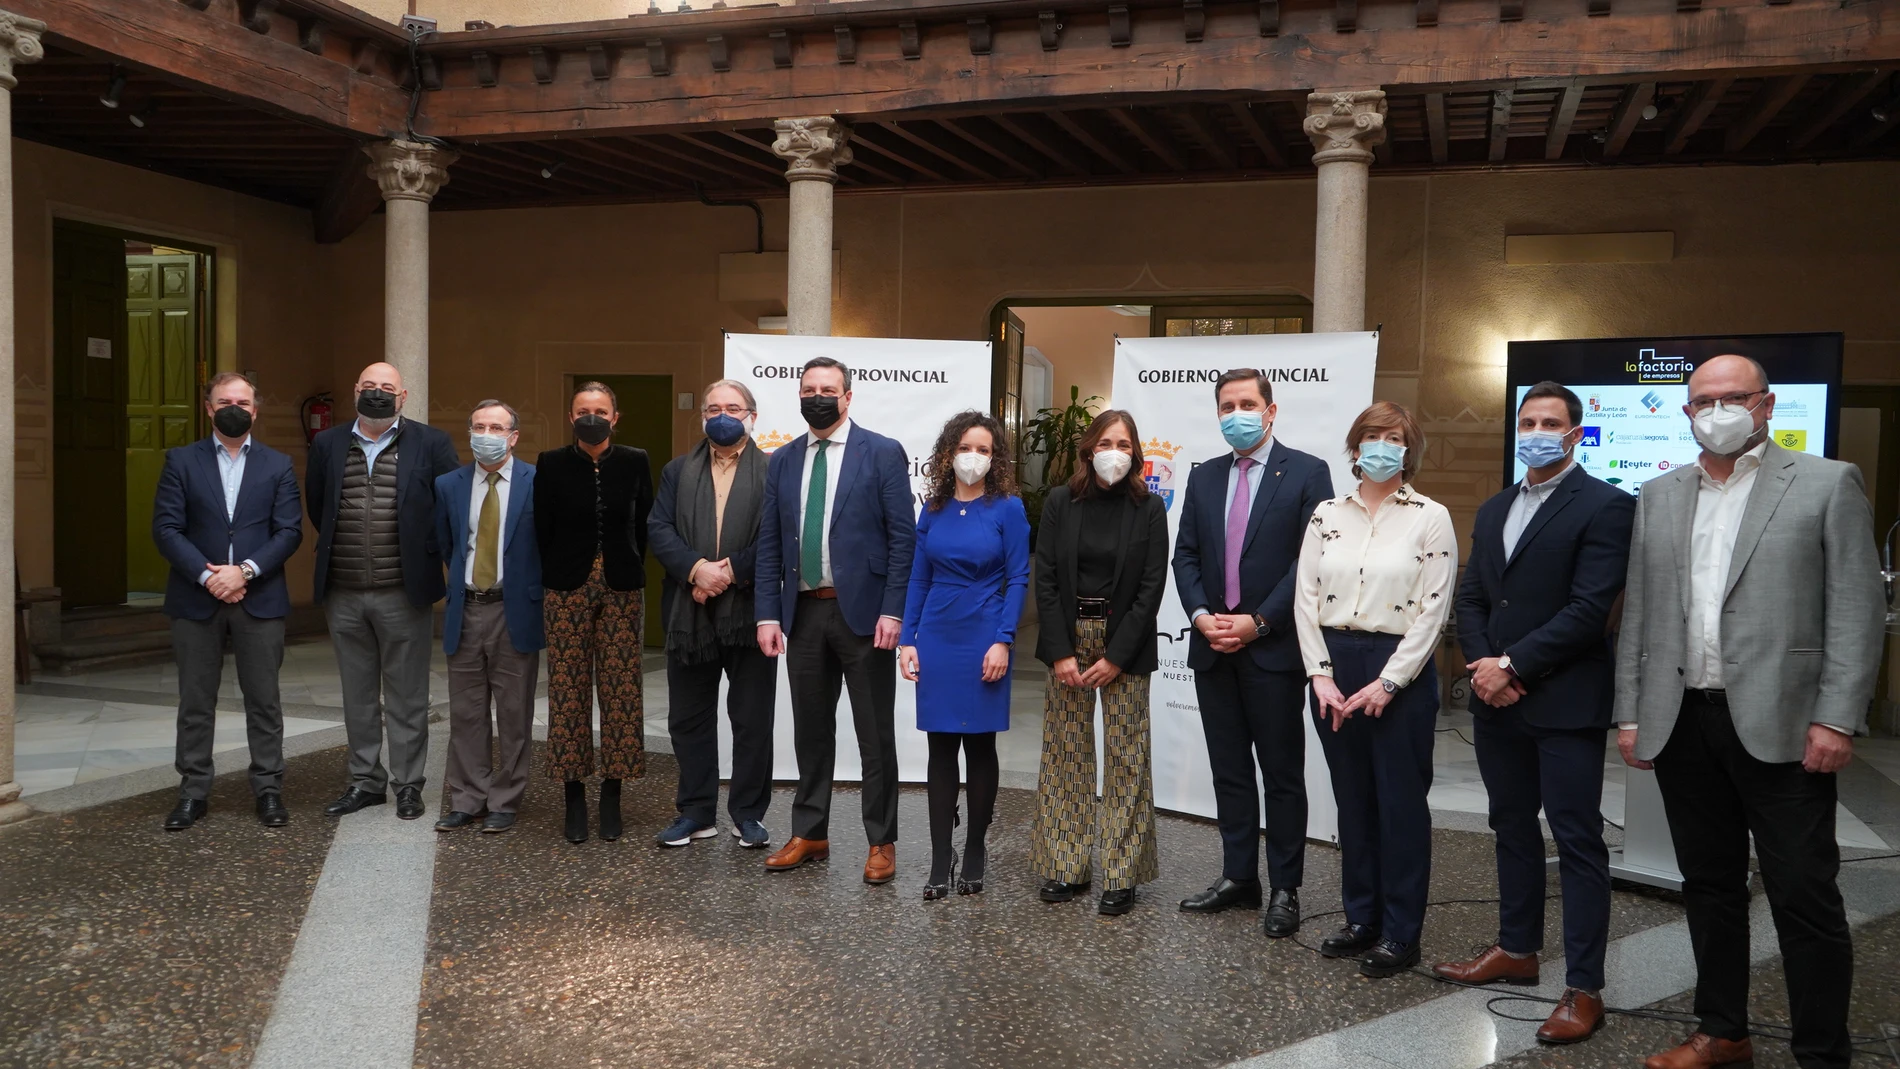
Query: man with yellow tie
column 492, row 633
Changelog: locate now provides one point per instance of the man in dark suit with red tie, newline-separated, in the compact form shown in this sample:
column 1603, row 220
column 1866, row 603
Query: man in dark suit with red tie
column 226, row 517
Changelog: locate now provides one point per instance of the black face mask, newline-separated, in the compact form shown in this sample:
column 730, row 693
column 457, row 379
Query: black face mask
column 376, row 404
column 593, row 429
column 232, row 421
column 819, row 410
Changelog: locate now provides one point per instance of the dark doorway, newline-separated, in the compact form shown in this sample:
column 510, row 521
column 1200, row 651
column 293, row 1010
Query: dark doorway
column 646, row 422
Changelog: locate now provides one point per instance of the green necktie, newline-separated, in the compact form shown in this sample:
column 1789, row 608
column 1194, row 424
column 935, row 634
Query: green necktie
column 811, row 544
column 488, row 537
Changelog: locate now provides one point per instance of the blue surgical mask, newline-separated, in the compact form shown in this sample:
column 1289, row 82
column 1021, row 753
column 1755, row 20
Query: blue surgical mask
column 489, row 448
column 1541, row 449
column 1379, row 461
column 725, row 430
column 1243, row 430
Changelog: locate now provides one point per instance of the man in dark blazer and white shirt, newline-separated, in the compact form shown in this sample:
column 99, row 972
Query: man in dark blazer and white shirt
column 832, row 575
column 226, row 517
column 1548, row 559
column 371, row 484
column 492, row 631
column 1235, row 555
column 1753, row 626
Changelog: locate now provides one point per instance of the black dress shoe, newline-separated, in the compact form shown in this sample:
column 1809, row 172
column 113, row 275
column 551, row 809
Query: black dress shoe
column 189, row 811
column 1225, row 894
column 1057, row 891
column 496, row 823
column 408, row 802
column 1283, row 914
column 351, row 801
column 456, row 819
column 1116, row 903
column 1350, row 941
column 270, row 810
column 1388, row 959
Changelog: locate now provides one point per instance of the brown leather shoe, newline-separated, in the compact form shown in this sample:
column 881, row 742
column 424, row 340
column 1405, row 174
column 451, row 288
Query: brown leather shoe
column 1577, row 1017
column 1490, row 967
column 881, row 866
column 1702, row 1052
column 796, row 853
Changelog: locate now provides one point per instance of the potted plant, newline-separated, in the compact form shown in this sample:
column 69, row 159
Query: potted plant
column 1049, row 450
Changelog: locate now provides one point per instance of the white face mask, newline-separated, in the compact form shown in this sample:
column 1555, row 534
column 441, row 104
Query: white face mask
column 971, row 467
column 1111, row 464
column 1723, row 430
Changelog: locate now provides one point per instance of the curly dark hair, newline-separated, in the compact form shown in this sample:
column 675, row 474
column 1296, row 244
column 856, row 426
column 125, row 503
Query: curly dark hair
column 1001, row 480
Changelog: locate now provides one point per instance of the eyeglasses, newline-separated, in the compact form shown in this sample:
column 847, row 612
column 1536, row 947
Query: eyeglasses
column 735, row 411
column 1734, row 400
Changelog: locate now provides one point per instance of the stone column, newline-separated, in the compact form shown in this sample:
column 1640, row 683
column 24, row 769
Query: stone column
column 1345, row 127
column 19, row 43
column 813, row 148
column 410, row 174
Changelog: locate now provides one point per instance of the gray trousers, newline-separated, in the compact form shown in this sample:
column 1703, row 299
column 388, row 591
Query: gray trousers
column 198, row 646
column 485, row 668
column 382, row 654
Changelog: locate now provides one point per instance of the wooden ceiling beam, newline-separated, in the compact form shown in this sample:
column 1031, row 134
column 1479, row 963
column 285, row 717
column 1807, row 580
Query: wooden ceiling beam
column 1013, row 160
column 1769, row 101
column 1201, row 124
column 1694, row 110
column 639, row 166
column 1880, row 125
column 717, row 166
column 630, row 153
column 1629, row 112
column 930, row 145
column 1500, row 125
column 348, row 201
column 1017, row 126
column 529, row 168
column 1258, row 133
column 1437, row 135
column 1072, row 125
column 1563, row 116
column 860, row 138
column 1151, row 135
column 774, row 171
column 1848, row 90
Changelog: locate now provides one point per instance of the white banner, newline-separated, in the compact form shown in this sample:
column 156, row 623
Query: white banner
column 901, row 388
column 1320, row 382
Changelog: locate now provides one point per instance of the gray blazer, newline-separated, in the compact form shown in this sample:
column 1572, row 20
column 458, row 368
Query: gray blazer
column 1802, row 622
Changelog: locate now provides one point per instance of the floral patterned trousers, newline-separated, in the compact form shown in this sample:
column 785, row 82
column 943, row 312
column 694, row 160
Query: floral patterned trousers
column 594, row 642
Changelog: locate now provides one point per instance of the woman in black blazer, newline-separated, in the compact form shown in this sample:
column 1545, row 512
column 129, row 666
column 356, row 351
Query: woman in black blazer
column 591, row 501
column 1101, row 568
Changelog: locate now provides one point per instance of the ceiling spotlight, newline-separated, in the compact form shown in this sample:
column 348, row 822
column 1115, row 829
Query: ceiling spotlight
column 1881, row 114
column 144, row 115
column 550, row 169
column 1649, row 112
column 115, row 87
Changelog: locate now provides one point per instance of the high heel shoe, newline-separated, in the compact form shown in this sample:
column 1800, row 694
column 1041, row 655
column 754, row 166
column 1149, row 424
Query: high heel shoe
column 609, row 810
column 576, row 831
column 975, row 860
column 935, row 891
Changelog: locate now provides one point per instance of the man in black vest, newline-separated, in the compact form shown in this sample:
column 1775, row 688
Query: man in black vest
column 1548, row 558
column 371, row 487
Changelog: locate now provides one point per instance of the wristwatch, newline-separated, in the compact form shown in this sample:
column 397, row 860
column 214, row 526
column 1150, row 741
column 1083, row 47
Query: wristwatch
column 1504, row 662
column 248, row 572
column 1259, row 624
column 1390, row 687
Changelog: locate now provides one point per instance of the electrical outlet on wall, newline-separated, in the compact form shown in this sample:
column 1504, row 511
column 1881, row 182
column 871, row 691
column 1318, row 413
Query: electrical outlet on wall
column 686, row 402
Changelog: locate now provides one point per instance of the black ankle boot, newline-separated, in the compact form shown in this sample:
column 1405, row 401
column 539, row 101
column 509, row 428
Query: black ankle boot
column 609, row 810
column 576, row 811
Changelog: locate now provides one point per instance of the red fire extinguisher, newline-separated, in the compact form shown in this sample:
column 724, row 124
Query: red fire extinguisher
column 317, row 414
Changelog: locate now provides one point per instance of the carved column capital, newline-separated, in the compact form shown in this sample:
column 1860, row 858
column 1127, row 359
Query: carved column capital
column 1345, row 126
column 19, row 43
column 813, row 147
column 409, row 170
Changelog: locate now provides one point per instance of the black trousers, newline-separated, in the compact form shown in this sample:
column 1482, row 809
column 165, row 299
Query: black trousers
column 692, row 721
column 1527, row 768
column 822, row 657
column 198, row 646
column 1250, row 714
column 1716, row 795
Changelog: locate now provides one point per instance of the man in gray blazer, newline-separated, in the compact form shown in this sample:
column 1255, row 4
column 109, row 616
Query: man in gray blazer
column 1752, row 629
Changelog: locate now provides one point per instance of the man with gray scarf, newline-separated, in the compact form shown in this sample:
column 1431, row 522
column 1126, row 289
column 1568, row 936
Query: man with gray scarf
column 704, row 529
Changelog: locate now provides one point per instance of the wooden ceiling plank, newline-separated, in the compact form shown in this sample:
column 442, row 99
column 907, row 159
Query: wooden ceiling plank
column 860, row 137
column 629, row 151
column 1878, row 128
column 1098, row 145
column 777, row 173
column 1694, row 110
column 1768, row 103
column 1150, row 134
column 1848, row 90
column 1016, row 127
column 1201, row 124
column 1500, row 135
column 1257, row 132
column 1629, row 113
column 1563, row 116
column 929, row 145
column 659, row 144
column 348, row 201
column 1435, row 131
column 1012, row 160
column 639, row 166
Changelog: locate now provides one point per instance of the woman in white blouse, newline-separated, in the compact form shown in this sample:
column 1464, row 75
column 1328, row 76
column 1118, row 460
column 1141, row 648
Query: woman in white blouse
column 1375, row 584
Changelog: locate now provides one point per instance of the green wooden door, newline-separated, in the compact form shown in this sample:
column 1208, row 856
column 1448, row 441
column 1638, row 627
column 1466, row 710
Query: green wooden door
column 161, row 366
column 646, row 422
column 89, row 382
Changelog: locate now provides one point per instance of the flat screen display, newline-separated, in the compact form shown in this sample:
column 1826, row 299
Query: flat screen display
column 1633, row 390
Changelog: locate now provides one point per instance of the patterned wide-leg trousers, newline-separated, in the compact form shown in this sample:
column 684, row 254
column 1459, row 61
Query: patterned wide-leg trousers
column 594, row 644
column 1070, row 822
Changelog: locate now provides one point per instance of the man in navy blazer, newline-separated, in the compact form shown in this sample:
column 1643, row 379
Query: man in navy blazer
column 833, row 569
column 1548, row 562
column 227, row 517
column 371, row 483
column 1242, row 519
column 492, row 632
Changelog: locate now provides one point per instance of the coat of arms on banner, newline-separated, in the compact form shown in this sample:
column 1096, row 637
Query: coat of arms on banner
column 771, row 440
column 1157, row 469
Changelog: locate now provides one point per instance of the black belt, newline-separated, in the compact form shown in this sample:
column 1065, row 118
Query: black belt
column 482, row 597
column 1091, row 608
column 1713, row 697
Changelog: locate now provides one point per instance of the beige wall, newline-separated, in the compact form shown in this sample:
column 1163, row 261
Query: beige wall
column 1079, row 343
column 523, row 299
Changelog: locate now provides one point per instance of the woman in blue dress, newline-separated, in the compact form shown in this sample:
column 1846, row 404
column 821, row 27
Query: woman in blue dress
column 967, row 583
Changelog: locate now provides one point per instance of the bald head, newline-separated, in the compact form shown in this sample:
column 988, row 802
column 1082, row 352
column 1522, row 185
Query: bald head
column 380, row 376
column 1728, row 384
column 379, row 396
column 1735, row 372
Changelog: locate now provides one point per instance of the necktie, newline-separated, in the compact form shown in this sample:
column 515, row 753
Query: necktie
column 811, row 543
column 488, row 537
column 1237, row 531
